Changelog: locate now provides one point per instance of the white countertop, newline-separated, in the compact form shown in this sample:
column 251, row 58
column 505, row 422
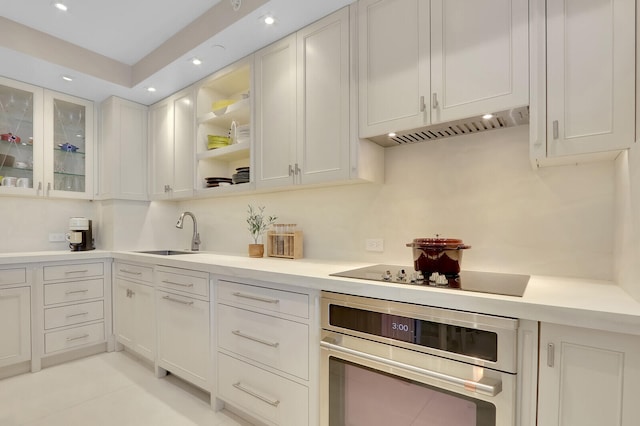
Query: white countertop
column 570, row 301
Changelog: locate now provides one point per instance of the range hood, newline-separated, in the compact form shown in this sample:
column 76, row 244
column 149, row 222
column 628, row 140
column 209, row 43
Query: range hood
column 500, row 120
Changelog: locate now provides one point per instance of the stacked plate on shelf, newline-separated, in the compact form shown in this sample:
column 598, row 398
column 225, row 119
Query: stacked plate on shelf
column 213, row 182
column 241, row 175
column 214, row 141
column 243, row 133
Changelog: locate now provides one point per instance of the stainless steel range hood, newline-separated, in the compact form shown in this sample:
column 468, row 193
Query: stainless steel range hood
column 502, row 119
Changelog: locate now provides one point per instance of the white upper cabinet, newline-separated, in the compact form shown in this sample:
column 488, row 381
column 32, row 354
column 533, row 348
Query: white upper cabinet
column 589, row 77
column 394, row 65
column 305, row 104
column 479, row 57
column 123, row 150
column 424, row 63
column 276, row 120
column 171, row 146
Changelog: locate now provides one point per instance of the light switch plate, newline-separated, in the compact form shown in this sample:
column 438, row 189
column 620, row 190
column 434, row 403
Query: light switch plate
column 374, row 244
column 56, row 237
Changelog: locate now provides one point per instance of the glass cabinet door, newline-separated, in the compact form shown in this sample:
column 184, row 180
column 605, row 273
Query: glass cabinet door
column 69, row 154
column 20, row 139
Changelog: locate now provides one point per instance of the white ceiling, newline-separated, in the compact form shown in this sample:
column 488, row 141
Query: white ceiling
column 132, row 31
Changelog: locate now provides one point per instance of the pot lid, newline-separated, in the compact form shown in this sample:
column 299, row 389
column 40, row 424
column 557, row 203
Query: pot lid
column 439, row 243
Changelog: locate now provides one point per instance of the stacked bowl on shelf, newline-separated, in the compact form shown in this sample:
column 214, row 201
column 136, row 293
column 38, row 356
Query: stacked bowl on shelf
column 242, row 175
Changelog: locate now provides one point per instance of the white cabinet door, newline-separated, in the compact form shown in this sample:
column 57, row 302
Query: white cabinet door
column 590, row 76
column 184, row 145
column 123, row 150
column 588, row 377
column 15, row 333
column 134, row 321
column 183, row 337
column 479, row 57
column 276, row 116
column 171, row 143
column 323, row 99
column 393, row 37
column 69, row 146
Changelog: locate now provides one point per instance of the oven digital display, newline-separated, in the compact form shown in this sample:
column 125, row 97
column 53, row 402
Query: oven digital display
column 472, row 342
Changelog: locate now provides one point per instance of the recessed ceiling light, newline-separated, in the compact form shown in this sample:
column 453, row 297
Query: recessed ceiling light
column 60, row 6
column 269, row 20
column 67, row 78
column 392, row 135
column 196, row 61
column 487, row 116
column 151, row 89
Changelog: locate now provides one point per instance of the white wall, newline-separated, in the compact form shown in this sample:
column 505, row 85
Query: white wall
column 25, row 223
column 480, row 188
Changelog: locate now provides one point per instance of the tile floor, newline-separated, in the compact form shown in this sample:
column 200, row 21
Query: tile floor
column 104, row 390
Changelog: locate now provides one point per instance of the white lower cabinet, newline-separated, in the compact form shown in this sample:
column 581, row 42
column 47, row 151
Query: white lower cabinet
column 183, row 325
column 588, row 377
column 266, row 366
column 134, row 324
column 15, row 332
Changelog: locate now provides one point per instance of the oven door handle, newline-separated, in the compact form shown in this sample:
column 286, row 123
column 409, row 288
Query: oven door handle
column 486, row 386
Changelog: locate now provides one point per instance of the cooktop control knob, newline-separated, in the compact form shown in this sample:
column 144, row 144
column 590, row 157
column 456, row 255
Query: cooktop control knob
column 401, row 275
column 442, row 280
column 419, row 276
column 433, row 277
column 387, row 276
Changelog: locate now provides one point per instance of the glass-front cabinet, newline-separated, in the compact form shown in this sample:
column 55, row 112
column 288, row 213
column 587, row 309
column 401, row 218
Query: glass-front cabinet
column 46, row 142
column 20, row 137
column 68, row 146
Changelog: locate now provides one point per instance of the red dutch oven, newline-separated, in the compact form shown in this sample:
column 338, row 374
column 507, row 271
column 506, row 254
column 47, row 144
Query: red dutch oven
column 441, row 255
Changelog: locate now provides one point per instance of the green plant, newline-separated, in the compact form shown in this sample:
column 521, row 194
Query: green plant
column 258, row 224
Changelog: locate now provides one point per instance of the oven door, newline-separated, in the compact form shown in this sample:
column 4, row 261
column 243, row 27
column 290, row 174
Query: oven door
column 371, row 383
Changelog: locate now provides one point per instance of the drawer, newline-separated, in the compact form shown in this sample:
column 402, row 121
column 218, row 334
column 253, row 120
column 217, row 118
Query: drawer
column 272, row 341
column 73, row 314
column 285, row 302
column 137, row 272
column 193, row 282
column 262, row 394
column 78, row 336
column 13, row 276
column 82, row 270
column 73, row 291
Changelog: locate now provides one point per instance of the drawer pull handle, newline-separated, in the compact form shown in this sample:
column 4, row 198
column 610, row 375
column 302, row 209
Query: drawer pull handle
column 126, row 271
column 76, row 291
column 258, row 298
column 171, row 299
column 180, row 284
column 77, row 315
column 270, row 401
column 71, row 339
column 256, row 339
column 81, row 271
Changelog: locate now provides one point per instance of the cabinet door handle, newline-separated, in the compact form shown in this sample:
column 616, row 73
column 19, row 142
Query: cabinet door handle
column 290, row 170
column 297, row 169
column 48, row 188
column 550, row 355
column 180, row 284
column 81, row 271
column 258, row 298
column 39, row 188
column 77, row 315
column 255, row 339
column 126, row 271
column 270, row 401
column 182, row 302
column 556, row 132
column 76, row 291
column 422, row 105
column 434, row 101
column 71, row 339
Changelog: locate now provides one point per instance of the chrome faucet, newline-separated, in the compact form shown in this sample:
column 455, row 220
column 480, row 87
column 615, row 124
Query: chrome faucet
column 195, row 240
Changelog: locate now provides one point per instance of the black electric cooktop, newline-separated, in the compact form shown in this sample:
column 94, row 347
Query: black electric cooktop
column 481, row 282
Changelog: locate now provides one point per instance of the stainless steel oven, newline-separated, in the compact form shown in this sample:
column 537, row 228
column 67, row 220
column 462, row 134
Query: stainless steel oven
column 392, row 363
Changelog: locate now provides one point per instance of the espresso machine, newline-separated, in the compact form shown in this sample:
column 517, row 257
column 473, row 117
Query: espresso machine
column 80, row 235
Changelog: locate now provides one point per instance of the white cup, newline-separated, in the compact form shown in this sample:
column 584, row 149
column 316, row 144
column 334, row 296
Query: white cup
column 74, row 237
column 9, row 181
column 23, row 183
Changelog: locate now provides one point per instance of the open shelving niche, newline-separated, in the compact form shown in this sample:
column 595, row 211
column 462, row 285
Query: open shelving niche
column 233, row 82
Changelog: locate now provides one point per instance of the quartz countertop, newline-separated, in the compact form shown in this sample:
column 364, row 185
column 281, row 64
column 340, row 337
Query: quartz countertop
column 578, row 302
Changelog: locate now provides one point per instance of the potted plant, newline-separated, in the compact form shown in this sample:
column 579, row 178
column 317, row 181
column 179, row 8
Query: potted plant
column 258, row 225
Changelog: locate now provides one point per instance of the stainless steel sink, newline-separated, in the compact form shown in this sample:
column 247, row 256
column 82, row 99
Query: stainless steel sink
column 166, row 252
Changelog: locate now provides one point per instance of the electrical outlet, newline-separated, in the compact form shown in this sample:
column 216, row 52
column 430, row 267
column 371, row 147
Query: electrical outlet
column 57, row 237
column 374, row 244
